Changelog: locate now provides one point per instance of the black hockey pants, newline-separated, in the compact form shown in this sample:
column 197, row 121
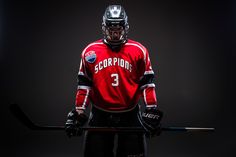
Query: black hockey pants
column 110, row 144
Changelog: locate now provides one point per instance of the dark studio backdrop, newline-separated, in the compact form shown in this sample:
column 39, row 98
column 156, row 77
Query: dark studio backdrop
column 191, row 49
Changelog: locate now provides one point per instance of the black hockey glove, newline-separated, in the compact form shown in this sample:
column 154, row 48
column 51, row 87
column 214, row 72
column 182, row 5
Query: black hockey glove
column 151, row 119
column 74, row 123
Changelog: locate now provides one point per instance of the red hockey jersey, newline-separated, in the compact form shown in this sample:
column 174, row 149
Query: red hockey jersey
column 115, row 77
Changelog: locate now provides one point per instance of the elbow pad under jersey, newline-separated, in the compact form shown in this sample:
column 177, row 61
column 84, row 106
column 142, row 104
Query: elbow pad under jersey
column 148, row 90
column 82, row 95
column 145, row 80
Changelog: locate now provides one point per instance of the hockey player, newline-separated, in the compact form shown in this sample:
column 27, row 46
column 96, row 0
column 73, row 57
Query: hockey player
column 114, row 73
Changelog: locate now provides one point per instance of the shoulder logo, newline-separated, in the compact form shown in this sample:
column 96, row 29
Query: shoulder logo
column 90, row 56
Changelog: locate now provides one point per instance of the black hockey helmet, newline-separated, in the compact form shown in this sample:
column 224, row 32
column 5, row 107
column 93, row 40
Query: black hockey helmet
column 115, row 25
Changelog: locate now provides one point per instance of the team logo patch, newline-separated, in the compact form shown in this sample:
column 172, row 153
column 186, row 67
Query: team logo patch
column 90, row 56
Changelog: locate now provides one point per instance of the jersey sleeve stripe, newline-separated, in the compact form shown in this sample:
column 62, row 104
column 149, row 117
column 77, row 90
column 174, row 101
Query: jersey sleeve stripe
column 80, row 73
column 144, row 96
column 150, row 106
column 82, row 59
column 147, row 85
column 83, row 87
column 148, row 72
column 142, row 49
column 85, row 99
column 96, row 43
column 80, row 108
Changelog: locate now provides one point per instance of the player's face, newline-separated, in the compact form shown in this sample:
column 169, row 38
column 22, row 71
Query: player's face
column 115, row 33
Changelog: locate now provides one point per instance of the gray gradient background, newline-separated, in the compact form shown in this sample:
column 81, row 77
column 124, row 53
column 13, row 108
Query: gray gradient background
column 191, row 49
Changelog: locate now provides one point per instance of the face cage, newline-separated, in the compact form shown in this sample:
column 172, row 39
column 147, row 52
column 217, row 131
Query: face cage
column 115, row 34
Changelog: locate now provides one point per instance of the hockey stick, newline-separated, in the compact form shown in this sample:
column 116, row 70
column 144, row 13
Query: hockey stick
column 22, row 117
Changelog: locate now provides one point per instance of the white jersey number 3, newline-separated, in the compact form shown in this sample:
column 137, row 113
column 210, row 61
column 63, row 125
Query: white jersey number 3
column 116, row 79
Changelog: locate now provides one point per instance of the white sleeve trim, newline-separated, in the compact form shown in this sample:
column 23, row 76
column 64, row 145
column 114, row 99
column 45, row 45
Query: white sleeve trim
column 149, row 72
column 95, row 43
column 82, row 57
column 151, row 106
column 79, row 108
column 147, row 85
column 144, row 96
column 83, row 87
column 141, row 48
column 80, row 73
column 85, row 99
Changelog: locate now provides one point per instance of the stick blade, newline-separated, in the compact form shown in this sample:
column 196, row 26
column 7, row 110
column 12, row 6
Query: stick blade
column 21, row 116
column 25, row 120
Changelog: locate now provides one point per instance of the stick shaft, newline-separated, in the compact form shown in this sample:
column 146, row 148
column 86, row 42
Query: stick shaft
column 188, row 129
column 129, row 129
column 23, row 118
